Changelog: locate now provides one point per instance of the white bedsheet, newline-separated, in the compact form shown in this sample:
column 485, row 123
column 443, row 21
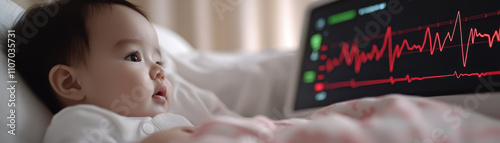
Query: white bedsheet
column 247, row 84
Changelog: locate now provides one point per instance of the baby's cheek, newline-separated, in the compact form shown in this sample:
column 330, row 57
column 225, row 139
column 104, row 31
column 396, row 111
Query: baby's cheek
column 170, row 89
column 127, row 79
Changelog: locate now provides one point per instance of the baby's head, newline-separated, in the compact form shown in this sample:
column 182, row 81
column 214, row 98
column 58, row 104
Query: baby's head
column 99, row 52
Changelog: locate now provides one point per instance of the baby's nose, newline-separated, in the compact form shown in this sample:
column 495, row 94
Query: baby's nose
column 157, row 72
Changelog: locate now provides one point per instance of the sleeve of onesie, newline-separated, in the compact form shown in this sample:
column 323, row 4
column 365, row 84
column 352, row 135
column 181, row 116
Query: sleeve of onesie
column 86, row 124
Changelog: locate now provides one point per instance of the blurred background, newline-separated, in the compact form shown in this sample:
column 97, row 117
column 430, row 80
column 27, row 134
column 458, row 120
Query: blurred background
column 247, row 26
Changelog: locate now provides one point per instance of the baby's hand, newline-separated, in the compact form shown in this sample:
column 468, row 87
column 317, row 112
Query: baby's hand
column 169, row 135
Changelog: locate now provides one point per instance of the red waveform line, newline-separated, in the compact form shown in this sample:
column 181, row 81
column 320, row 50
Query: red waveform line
column 451, row 46
column 360, row 57
column 353, row 83
column 418, row 28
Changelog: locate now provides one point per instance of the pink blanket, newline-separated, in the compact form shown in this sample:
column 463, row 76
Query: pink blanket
column 384, row 119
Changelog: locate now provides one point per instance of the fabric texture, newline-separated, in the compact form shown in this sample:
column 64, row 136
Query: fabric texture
column 89, row 123
column 386, row 119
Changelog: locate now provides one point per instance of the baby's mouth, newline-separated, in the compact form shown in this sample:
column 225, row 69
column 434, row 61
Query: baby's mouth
column 160, row 94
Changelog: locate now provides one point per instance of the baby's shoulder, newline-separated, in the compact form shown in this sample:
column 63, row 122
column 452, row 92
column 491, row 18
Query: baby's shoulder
column 84, row 111
column 92, row 123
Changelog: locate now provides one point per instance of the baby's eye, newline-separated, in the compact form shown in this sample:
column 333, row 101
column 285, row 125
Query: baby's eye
column 134, row 57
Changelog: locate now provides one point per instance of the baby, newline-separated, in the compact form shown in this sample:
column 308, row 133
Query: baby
column 97, row 66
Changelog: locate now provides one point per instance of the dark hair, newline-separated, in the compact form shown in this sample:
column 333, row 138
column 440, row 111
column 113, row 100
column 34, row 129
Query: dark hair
column 54, row 33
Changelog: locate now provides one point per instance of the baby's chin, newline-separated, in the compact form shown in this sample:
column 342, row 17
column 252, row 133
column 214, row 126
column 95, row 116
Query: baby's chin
column 156, row 111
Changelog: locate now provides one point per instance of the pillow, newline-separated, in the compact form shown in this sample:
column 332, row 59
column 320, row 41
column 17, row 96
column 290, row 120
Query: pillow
column 9, row 13
column 249, row 84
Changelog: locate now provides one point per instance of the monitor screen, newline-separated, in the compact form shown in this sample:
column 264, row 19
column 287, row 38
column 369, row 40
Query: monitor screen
column 357, row 49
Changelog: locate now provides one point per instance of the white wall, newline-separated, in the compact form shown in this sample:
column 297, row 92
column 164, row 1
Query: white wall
column 245, row 26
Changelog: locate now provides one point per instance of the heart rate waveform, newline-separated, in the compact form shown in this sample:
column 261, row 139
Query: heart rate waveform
column 351, row 55
column 357, row 57
column 418, row 28
column 353, row 83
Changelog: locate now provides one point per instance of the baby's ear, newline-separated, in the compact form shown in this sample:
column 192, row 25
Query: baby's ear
column 64, row 82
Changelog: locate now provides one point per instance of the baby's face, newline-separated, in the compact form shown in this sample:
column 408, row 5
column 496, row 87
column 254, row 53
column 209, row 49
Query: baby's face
column 123, row 71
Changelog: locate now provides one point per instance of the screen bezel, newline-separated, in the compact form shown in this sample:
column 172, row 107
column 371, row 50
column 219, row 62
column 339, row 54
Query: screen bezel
column 291, row 94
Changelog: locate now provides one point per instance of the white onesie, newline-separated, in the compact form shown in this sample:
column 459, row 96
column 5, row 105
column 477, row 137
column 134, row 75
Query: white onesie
column 92, row 124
